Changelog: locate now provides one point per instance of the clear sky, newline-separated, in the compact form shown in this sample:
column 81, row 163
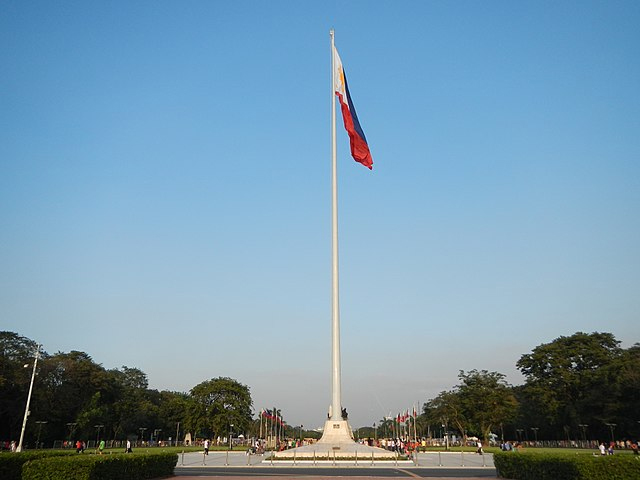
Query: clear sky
column 165, row 189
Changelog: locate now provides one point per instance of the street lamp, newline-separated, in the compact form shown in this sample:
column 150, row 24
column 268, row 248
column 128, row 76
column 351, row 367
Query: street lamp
column 26, row 410
column 535, row 432
column 301, row 433
column 611, row 427
column 142, row 429
column 39, row 423
column 72, row 428
column 98, row 428
column 230, row 435
column 583, row 426
column 519, row 430
column 156, row 434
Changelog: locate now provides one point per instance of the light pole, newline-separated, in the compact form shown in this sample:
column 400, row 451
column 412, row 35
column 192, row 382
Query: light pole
column 230, row 434
column 611, row 427
column 177, row 433
column 142, row 429
column 519, row 430
column 26, row 410
column 301, row 433
column 156, row 434
column 535, row 433
column 583, row 426
column 98, row 428
column 39, row 423
column 375, row 431
column 72, row 428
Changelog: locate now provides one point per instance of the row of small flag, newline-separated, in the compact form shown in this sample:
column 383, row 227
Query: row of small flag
column 406, row 415
column 271, row 415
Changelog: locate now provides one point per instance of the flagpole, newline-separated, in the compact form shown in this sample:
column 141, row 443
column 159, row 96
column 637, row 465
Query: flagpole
column 26, row 410
column 336, row 403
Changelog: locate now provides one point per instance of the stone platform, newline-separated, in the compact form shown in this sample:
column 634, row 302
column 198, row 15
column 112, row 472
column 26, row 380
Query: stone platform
column 336, row 442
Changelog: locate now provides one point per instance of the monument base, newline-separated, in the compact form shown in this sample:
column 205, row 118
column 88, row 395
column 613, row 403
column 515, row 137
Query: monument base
column 336, row 442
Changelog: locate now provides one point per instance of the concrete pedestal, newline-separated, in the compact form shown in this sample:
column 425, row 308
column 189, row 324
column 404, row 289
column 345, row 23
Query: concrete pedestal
column 336, row 442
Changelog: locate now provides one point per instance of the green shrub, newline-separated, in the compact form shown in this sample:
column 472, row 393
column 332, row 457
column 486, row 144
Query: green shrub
column 11, row 463
column 102, row 467
column 552, row 466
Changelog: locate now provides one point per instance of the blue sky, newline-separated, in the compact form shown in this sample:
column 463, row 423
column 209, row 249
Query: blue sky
column 165, row 189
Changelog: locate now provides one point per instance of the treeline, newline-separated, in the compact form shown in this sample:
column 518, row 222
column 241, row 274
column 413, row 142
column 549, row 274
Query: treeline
column 76, row 398
column 580, row 387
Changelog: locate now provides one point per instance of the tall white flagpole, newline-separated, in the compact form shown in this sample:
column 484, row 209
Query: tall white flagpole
column 26, row 410
column 336, row 403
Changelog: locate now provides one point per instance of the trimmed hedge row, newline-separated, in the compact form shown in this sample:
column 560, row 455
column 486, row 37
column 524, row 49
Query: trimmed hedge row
column 102, row 467
column 551, row 466
column 11, row 463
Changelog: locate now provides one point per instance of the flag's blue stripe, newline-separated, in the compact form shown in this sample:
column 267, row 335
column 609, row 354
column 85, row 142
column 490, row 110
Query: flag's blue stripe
column 352, row 109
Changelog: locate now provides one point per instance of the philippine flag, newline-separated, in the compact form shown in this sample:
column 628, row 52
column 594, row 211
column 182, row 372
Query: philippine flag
column 359, row 147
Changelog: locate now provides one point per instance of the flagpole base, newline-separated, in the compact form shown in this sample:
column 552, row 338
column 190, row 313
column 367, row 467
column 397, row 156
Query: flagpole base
column 336, row 432
column 336, row 442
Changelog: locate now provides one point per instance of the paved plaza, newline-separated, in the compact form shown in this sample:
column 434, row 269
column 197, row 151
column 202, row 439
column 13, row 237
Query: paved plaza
column 424, row 461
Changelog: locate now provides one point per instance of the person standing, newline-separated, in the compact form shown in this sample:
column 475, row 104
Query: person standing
column 128, row 450
column 101, row 447
column 206, row 447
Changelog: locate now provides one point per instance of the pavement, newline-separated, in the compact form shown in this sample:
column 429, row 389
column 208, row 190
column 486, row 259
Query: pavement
column 435, row 465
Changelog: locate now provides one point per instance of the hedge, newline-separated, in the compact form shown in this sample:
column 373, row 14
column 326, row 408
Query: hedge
column 11, row 463
column 553, row 466
column 101, row 467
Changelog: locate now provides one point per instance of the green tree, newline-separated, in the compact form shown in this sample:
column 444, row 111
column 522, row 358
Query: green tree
column 76, row 389
column 482, row 401
column 16, row 351
column 487, row 400
column 570, row 381
column 216, row 404
column 447, row 409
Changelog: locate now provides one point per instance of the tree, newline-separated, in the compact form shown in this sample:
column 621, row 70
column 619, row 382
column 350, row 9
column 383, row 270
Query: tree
column 79, row 390
column 15, row 352
column 569, row 382
column 486, row 399
column 480, row 402
column 447, row 410
column 216, row 404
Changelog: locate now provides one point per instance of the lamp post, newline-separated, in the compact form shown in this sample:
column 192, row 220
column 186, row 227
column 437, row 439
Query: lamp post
column 535, row 433
column 26, row 410
column 230, row 434
column 611, row 427
column 39, row 423
column 375, row 431
column 98, row 428
column 156, row 434
column 177, row 433
column 301, row 433
column 519, row 430
column 584, row 426
column 142, row 429
column 72, row 428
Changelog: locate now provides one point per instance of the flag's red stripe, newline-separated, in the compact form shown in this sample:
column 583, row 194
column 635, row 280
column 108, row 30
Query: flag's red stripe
column 359, row 148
